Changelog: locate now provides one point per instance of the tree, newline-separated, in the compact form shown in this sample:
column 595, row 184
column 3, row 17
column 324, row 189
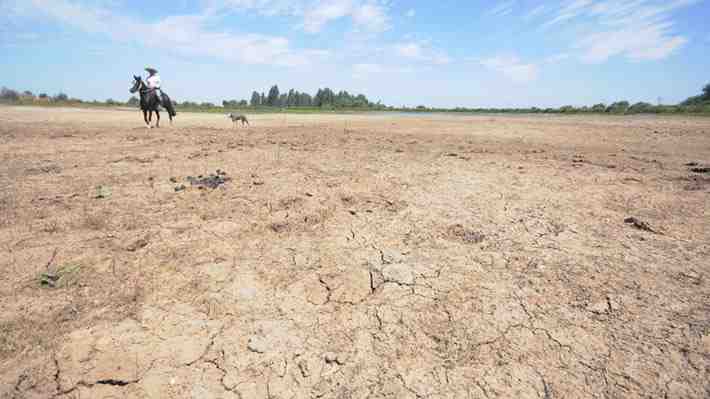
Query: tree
column 43, row 95
column 618, row 107
column 255, row 99
column 28, row 93
column 243, row 103
column 706, row 92
column 599, row 107
column 61, row 97
column 641, row 108
column 273, row 99
column 8, row 94
column 567, row 109
column 133, row 101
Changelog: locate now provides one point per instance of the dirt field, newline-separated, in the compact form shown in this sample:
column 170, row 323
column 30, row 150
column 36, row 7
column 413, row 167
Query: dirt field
column 353, row 256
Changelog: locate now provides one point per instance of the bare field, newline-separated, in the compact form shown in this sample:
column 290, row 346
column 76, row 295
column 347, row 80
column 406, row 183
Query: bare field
column 354, row 256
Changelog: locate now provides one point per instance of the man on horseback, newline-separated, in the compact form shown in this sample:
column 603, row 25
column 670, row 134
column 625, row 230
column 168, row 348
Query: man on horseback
column 153, row 82
column 152, row 97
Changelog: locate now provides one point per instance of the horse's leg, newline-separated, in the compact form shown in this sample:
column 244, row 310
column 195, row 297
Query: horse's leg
column 157, row 115
column 145, row 118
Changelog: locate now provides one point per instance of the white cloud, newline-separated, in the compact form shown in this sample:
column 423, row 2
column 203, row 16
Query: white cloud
column 421, row 51
column 264, row 7
column 650, row 42
column 315, row 18
column 411, row 13
column 188, row 34
column 370, row 70
column 638, row 29
column 502, row 9
column 409, row 50
column 536, row 11
column 569, row 11
column 371, row 17
column 366, row 15
column 556, row 58
column 512, row 68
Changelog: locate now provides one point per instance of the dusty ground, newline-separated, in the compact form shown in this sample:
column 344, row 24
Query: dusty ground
column 353, row 257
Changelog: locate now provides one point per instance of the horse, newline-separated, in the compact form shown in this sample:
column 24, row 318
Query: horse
column 237, row 118
column 150, row 102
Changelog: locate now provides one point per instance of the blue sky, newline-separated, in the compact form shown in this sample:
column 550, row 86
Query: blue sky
column 446, row 53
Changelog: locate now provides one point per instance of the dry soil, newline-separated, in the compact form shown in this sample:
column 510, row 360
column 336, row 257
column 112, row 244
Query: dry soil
column 353, row 256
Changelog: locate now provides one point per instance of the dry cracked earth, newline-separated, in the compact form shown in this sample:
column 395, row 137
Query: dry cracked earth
column 353, row 256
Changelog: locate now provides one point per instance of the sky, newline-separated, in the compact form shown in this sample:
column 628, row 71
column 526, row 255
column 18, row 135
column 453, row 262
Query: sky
column 507, row 53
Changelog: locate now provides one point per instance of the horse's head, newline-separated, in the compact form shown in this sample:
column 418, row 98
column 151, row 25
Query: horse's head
column 137, row 84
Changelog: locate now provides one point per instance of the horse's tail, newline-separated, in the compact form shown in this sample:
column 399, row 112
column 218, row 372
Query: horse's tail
column 168, row 105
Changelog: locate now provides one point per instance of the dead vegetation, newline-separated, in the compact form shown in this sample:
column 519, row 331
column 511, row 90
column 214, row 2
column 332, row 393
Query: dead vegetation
column 393, row 257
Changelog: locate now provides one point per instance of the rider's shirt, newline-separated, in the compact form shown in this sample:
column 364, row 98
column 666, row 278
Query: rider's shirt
column 154, row 81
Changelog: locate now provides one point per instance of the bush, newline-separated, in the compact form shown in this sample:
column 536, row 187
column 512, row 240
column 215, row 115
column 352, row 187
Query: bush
column 61, row 97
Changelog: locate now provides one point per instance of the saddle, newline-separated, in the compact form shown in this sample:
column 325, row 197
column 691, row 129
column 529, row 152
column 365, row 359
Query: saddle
column 164, row 99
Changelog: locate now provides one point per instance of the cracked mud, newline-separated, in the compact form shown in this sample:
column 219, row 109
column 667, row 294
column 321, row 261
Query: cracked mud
column 428, row 257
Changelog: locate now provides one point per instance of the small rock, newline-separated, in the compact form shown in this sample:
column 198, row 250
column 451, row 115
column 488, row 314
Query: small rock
column 173, row 180
column 706, row 344
column 180, row 188
column 391, row 256
column 398, row 273
column 303, row 366
column 614, row 305
column 257, row 344
column 136, row 245
column 600, row 307
column 334, row 358
column 103, row 192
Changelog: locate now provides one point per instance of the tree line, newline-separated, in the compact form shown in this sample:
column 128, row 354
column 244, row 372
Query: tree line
column 328, row 99
column 324, row 98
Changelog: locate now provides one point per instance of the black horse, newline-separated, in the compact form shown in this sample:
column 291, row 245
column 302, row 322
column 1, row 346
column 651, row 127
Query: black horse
column 150, row 102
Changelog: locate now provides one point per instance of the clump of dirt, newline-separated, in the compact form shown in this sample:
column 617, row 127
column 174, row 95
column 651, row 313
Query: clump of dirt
column 290, row 202
column 696, row 183
column 460, row 233
column 639, row 224
column 46, row 169
column 213, row 180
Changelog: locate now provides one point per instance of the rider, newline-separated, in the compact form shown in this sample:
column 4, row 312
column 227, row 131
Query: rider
column 153, row 81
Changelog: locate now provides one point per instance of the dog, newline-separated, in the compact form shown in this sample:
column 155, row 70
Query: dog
column 237, row 118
